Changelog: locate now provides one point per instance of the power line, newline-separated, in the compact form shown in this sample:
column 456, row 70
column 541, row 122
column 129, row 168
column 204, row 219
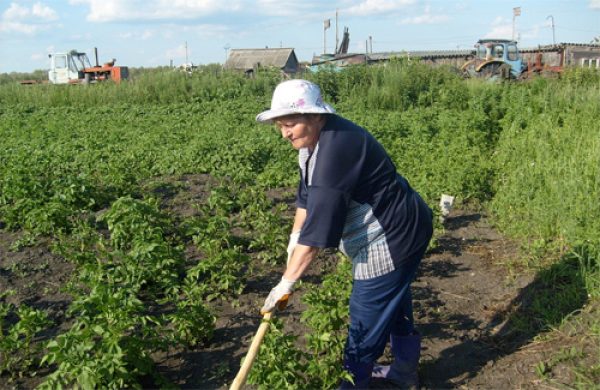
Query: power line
column 577, row 29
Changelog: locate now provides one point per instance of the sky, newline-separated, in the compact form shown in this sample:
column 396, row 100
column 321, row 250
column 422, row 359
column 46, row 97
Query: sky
column 149, row 33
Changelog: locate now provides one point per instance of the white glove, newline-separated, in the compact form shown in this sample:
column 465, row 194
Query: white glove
column 292, row 244
column 278, row 297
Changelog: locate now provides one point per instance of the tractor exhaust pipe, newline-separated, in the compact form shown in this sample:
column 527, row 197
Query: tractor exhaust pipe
column 96, row 55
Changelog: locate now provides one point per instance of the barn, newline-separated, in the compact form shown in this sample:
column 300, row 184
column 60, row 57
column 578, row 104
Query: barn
column 248, row 60
column 565, row 54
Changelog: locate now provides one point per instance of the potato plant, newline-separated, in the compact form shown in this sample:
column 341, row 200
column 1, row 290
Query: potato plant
column 18, row 353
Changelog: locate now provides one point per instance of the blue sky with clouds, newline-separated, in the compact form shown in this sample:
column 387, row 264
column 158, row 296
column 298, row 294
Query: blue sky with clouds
column 153, row 32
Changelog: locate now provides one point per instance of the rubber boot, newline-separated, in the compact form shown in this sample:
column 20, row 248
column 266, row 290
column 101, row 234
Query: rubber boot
column 361, row 372
column 403, row 372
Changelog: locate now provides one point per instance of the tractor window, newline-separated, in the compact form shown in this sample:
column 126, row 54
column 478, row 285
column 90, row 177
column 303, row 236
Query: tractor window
column 481, row 51
column 73, row 65
column 498, row 51
column 79, row 62
column 512, row 52
column 60, row 62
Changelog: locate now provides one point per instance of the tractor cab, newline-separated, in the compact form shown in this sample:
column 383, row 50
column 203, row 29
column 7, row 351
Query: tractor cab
column 67, row 68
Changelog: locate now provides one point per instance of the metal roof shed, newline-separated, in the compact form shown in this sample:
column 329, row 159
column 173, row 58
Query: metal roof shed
column 249, row 59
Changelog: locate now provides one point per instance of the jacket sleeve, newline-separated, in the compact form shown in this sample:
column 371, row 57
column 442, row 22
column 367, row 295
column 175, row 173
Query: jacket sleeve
column 301, row 194
column 325, row 219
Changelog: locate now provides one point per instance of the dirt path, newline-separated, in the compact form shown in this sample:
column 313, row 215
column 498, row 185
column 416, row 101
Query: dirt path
column 462, row 299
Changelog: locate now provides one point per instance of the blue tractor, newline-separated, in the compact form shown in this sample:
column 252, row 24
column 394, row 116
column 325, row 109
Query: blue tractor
column 495, row 59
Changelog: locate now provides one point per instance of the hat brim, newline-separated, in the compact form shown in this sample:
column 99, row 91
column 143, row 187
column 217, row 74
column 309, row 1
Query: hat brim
column 268, row 115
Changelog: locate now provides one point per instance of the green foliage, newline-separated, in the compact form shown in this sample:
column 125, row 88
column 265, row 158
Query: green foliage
column 547, row 162
column 18, row 355
column 280, row 364
column 327, row 318
column 283, row 364
column 117, row 293
column 14, row 78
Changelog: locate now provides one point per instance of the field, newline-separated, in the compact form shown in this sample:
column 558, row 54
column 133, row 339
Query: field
column 142, row 225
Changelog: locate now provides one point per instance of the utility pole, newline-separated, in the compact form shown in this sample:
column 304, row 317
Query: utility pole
column 553, row 35
column 226, row 47
column 370, row 44
column 337, row 38
column 516, row 12
column 186, row 54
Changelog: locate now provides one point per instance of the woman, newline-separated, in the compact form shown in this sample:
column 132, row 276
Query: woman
column 351, row 197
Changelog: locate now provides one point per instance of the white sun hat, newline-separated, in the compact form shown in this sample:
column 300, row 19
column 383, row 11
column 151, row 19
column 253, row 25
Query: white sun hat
column 295, row 97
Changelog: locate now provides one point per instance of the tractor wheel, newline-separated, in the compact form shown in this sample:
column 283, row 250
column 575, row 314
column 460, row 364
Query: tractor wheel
column 468, row 69
column 489, row 70
column 504, row 71
column 495, row 71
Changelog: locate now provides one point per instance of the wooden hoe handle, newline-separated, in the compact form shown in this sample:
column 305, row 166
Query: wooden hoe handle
column 240, row 378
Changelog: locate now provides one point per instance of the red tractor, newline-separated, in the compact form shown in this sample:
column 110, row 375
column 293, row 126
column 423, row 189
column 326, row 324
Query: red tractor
column 75, row 68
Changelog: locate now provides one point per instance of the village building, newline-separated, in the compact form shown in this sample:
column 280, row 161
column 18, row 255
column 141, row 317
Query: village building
column 249, row 60
column 565, row 54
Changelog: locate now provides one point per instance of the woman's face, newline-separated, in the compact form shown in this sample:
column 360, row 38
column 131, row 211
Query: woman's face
column 301, row 130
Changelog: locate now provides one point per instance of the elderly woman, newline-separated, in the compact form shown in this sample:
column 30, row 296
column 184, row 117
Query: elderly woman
column 350, row 196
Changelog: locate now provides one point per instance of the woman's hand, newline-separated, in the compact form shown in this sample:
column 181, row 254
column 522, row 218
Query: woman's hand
column 278, row 297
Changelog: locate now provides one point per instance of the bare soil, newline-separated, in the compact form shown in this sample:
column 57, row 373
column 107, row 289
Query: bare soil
column 465, row 295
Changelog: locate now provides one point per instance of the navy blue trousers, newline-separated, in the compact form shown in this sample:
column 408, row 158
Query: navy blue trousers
column 379, row 307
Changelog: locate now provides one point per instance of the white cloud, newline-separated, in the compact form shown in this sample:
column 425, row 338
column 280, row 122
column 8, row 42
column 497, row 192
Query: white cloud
column 138, row 35
column 207, row 30
column 287, row 7
column 25, row 20
column 426, row 18
column 15, row 12
column 38, row 12
column 38, row 56
column 123, row 10
column 369, row 7
column 595, row 4
column 501, row 28
column 146, row 35
column 461, row 6
column 178, row 53
column 17, row 27
column 189, row 32
column 43, row 12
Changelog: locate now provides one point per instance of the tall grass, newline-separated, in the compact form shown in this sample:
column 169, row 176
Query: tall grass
column 548, row 162
column 160, row 86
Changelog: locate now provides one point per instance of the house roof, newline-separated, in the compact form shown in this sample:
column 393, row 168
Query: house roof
column 249, row 58
column 421, row 54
